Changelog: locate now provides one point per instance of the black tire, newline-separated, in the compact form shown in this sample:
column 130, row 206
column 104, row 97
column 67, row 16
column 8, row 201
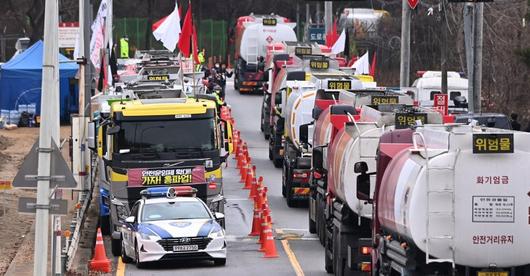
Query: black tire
column 266, row 136
column 137, row 257
column 115, row 247
column 328, row 263
column 338, row 261
column 124, row 258
column 270, row 154
column 291, row 202
column 219, row 261
column 236, row 83
column 277, row 162
column 284, row 193
column 104, row 224
column 312, row 224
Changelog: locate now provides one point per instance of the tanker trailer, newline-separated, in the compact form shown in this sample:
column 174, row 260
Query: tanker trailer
column 321, row 138
column 348, row 238
column 452, row 200
column 253, row 34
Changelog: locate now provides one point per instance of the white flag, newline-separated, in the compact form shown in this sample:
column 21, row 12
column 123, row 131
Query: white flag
column 362, row 65
column 97, row 41
column 169, row 31
column 340, row 44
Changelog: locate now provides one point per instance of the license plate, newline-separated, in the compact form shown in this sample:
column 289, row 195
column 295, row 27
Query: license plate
column 180, row 248
column 493, row 273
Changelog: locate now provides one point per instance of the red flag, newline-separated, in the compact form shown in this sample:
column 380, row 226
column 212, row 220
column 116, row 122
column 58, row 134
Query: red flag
column 372, row 66
column 332, row 36
column 158, row 23
column 195, row 46
column 186, row 34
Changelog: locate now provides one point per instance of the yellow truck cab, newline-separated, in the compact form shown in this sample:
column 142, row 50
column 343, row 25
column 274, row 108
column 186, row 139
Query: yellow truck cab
column 159, row 142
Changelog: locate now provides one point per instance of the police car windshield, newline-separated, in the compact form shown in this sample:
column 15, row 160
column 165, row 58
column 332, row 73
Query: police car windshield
column 174, row 211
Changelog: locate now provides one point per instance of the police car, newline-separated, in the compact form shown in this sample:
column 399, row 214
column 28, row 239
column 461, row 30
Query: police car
column 172, row 224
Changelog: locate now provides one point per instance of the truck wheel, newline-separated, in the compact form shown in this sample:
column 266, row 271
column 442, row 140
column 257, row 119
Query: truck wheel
column 338, row 263
column 266, row 136
column 291, row 202
column 236, row 84
column 270, row 154
column 284, row 193
column 321, row 221
column 104, row 224
column 312, row 226
column 277, row 162
column 328, row 261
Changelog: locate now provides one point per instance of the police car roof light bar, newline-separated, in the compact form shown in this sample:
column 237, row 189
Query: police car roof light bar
column 169, row 192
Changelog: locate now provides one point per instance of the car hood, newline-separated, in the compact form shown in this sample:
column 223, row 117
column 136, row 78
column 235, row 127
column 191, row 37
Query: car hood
column 166, row 229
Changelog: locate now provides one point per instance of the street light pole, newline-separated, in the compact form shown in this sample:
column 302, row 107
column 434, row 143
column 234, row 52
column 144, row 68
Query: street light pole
column 48, row 131
column 405, row 45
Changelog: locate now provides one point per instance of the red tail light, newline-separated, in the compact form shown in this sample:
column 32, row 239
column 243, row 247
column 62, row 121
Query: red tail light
column 366, row 250
column 366, row 266
column 317, row 175
column 212, row 186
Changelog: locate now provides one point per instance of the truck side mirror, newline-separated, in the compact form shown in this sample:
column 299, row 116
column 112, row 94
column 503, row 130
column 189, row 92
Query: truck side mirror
column 363, row 181
column 304, row 134
column 91, row 137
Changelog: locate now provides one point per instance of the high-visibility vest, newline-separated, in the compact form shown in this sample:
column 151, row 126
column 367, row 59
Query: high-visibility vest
column 124, row 47
column 201, row 57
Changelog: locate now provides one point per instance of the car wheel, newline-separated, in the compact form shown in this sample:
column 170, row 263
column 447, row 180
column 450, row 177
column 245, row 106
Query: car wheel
column 312, row 224
column 270, row 154
column 126, row 259
column 137, row 257
column 277, row 162
column 266, row 136
column 219, row 261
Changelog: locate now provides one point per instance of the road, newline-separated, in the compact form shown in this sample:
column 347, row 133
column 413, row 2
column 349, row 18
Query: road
column 300, row 253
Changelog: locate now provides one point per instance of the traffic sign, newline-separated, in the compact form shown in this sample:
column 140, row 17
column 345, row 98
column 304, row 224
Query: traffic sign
column 413, row 3
column 61, row 176
column 28, row 205
column 317, row 34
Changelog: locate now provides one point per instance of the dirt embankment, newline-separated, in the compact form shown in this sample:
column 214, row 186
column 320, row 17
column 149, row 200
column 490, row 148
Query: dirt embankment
column 14, row 145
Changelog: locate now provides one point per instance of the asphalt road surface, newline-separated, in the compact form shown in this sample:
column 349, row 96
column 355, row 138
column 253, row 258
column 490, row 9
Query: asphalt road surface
column 300, row 253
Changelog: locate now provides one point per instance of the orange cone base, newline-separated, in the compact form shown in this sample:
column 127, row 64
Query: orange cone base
column 100, row 265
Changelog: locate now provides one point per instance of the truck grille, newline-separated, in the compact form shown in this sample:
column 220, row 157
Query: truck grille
column 168, row 244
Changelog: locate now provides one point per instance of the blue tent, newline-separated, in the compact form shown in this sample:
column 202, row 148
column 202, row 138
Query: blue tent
column 21, row 81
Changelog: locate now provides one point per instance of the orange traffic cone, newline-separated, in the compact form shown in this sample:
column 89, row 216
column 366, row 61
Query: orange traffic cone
column 243, row 171
column 239, row 159
column 256, row 221
column 251, row 178
column 100, row 262
column 254, row 189
column 269, row 244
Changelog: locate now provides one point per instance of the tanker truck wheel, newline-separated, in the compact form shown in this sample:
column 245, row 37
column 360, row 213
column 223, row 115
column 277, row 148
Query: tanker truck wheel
column 312, row 225
column 338, row 261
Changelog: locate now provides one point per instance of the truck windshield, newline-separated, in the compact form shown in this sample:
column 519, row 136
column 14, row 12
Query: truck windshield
column 167, row 136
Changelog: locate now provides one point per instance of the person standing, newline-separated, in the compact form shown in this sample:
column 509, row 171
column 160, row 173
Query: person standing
column 515, row 124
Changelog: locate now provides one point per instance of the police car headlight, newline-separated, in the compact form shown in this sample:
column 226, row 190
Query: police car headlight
column 148, row 236
column 217, row 232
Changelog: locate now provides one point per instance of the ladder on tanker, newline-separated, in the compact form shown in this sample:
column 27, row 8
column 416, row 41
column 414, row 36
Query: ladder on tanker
column 252, row 48
column 439, row 194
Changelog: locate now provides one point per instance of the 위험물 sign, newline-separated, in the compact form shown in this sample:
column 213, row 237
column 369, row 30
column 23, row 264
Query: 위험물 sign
column 303, row 51
column 269, row 22
column 319, row 64
column 339, row 84
column 379, row 100
column 405, row 120
column 493, row 143
column 158, row 78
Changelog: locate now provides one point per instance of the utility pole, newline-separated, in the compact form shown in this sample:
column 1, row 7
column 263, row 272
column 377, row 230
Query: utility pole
column 405, row 45
column 328, row 15
column 478, row 33
column 307, row 22
column 298, row 19
column 469, row 42
column 443, row 65
column 48, row 131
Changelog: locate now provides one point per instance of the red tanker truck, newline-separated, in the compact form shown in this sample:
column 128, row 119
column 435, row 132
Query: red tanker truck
column 448, row 200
